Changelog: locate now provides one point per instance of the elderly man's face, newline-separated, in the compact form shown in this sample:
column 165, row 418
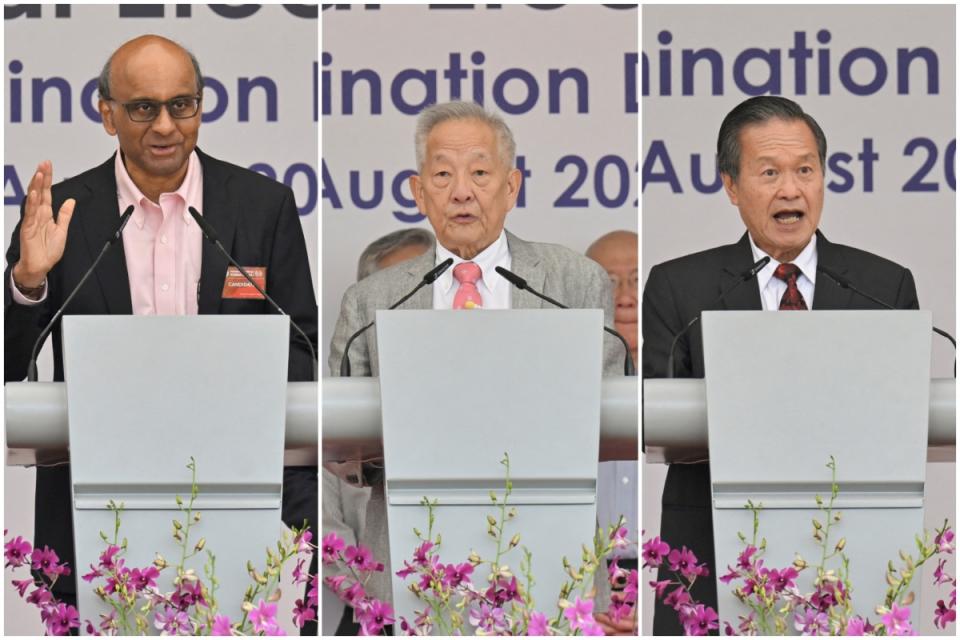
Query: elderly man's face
column 151, row 69
column 780, row 187
column 617, row 253
column 465, row 188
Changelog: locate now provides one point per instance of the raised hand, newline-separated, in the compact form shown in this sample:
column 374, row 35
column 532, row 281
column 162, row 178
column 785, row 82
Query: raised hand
column 42, row 239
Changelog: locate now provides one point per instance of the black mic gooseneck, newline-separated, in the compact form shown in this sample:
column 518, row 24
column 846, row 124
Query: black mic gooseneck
column 628, row 367
column 428, row 278
column 211, row 235
column 32, row 365
column 844, row 283
column 749, row 274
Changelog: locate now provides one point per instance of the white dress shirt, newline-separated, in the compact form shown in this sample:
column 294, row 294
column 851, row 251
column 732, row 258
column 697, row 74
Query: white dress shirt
column 494, row 289
column 772, row 288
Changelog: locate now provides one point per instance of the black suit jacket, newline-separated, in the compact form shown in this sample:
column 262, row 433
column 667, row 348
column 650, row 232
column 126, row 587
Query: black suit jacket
column 677, row 291
column 257, row 221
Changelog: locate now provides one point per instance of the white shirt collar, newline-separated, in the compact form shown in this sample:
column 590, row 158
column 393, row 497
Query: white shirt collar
column 496, row 255
column 807, row 261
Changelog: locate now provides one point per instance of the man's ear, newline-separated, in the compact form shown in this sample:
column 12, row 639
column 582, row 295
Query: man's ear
column 416, row 188
column 106, row 114
column 730, row 186
column 514, row 180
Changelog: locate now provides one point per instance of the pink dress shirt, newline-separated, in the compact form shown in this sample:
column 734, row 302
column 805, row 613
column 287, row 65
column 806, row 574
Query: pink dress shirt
column 162, row 244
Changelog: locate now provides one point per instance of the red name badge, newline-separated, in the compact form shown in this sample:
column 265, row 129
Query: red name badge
column 239, row 288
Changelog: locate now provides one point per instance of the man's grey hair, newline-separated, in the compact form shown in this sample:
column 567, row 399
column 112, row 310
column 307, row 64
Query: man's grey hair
column 103, row 83
column 461, row 110
column 369, row 261
column 758, row 110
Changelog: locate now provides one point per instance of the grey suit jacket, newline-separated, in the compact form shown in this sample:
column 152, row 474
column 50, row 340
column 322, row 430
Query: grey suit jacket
column 553, row 270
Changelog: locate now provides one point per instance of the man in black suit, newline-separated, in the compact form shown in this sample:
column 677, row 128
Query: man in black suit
column 771, row 156
column 150, row 94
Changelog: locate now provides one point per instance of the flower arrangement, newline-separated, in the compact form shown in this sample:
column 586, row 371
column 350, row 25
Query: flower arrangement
column 136, row 602
column 458, row 601
column 774, row 598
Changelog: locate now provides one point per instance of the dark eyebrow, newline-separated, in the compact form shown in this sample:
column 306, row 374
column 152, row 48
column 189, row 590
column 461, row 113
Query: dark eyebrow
column 147, row 99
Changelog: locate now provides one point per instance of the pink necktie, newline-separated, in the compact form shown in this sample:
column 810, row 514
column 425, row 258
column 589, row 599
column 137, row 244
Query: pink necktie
column 467, row 296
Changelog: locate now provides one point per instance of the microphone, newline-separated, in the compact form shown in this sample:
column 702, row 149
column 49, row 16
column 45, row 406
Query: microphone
column 210, row 234
column 428, row 278
column 521, row 284
column 32, row 365
column 749, row 274
column 844, row 283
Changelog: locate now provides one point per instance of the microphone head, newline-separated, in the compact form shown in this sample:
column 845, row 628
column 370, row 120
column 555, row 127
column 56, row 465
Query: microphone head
column 512, row 278
column 833, row 275
column 124, row 219
column 756, row 268
column 437, row 271
column 205, row 228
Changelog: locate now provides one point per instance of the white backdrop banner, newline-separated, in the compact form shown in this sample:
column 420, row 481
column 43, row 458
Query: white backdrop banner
column 881, row 82
column 564, row 77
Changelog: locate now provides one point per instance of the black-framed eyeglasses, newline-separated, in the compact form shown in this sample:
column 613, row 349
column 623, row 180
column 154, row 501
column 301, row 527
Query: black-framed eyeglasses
column 181, row 108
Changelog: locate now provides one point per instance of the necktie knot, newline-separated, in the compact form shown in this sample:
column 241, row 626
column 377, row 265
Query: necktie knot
column 467, row 272
column 792, row 299
column 787, row 271
column 467, row 296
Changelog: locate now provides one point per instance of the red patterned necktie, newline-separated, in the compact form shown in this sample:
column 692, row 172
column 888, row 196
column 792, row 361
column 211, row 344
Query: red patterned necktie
column 467, row 296
column 791, row 300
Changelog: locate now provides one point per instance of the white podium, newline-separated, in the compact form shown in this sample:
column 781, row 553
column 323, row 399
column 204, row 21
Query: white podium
column 460, row 389
column 143, row 395
column 785, row 391
column 352, row 428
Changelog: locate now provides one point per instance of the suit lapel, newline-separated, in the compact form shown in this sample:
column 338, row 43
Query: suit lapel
column 98, row 220
column 827, row 294
column 745, row 297
column 416, row 267
column 525, row 263
column 221, row 208
column 406, row 279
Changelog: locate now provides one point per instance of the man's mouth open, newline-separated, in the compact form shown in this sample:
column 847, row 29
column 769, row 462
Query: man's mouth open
column 788, row 217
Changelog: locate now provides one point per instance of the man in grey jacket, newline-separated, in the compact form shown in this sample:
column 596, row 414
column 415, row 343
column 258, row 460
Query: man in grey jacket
column 466, row 186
